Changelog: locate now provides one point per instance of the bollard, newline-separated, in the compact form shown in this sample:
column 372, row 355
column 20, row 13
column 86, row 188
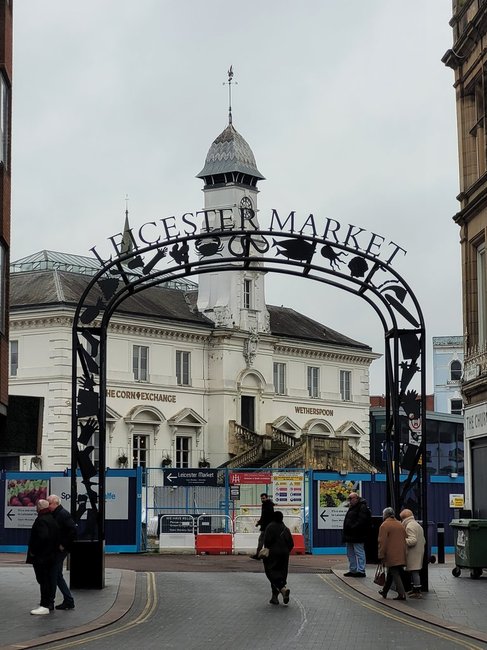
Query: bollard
column 440, row 532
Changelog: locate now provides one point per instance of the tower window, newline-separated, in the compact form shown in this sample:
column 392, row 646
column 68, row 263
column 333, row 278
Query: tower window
column 455, row 370
column 247, row 294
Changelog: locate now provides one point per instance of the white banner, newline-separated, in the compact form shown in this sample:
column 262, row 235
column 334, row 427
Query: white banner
column 116, row 495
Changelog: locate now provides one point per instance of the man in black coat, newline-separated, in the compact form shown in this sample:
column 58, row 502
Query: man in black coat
column 41, row 553
column 356, row 526
column 266, row 514
column 67, row 536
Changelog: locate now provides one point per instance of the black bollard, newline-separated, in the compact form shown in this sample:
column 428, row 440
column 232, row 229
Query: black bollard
column 440, row 533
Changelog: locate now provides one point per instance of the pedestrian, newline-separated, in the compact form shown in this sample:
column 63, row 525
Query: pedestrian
column 415, row 543
column 41, row 553
column 266, row 512
column 279, row 541
column 356, row 528
column 68, row 534
column 392, row 552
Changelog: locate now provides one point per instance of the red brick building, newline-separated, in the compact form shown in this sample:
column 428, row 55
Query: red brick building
column 5, row 186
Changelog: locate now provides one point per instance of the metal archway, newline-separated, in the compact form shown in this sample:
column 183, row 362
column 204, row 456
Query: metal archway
column 342, row 265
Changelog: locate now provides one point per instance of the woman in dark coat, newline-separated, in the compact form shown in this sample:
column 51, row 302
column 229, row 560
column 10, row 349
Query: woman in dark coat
column 279, row 541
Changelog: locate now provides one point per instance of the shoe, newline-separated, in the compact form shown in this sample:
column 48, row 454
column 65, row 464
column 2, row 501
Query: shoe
column 416, row 594
column 359, row 574
column 40, row 611
column 400, row 597
column 65, row 606
column 350, row 574
column 285, row 595
column 383, row 593
column 274, row 600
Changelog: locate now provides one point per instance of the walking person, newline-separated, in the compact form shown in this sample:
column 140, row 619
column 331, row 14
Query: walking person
column 279, row 540
column 415, row 543
column 68, row 534
column 266, row 513
column 392, row 552
column 356, row 527
column 41, row 553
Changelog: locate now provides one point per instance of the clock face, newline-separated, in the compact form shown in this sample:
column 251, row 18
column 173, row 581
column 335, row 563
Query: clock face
column 246, row 207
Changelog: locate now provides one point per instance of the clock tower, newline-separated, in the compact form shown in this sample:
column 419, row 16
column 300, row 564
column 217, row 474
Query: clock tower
column 234, row 300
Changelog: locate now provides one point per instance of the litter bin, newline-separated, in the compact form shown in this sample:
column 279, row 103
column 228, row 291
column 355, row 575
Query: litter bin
column 470, row 546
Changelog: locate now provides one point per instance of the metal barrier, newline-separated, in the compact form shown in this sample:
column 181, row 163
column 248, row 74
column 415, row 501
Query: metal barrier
column 214, row 535
column 246, row 535
column 176, row 534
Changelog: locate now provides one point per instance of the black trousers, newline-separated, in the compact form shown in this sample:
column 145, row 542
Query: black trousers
column 46, row 578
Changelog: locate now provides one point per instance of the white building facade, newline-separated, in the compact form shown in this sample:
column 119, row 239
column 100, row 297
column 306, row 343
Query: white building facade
column 188, row 364
column 448, row 358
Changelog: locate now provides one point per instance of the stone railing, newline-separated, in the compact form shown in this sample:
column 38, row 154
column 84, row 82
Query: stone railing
column 284, row 437
column 360, row 463
column 292, row 458
column 247, row 458
column 241, row 439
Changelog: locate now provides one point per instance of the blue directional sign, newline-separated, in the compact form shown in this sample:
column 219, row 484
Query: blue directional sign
column 179, row 476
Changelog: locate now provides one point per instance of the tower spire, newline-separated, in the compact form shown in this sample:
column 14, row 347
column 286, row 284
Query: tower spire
column 229, row 82
column 127, row 244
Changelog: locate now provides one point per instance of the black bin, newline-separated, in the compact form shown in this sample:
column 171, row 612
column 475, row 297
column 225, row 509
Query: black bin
column 87, row 564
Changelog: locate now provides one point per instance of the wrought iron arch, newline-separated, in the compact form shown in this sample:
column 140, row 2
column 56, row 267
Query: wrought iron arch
column 344, row 266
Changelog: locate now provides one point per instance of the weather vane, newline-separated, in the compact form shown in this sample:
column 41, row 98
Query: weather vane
column 229, row 82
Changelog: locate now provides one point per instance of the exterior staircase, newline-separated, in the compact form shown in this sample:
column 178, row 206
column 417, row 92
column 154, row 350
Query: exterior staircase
column 279, row 449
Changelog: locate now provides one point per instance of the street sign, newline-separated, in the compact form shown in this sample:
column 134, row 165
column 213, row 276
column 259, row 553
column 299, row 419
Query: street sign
column 178, row 476
column 255, row 478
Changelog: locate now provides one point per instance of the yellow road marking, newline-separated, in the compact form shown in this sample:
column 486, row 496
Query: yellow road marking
column 147, row 612
column 411, row 623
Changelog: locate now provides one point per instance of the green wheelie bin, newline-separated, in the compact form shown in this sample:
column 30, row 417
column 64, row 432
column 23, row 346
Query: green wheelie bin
column 470, row 546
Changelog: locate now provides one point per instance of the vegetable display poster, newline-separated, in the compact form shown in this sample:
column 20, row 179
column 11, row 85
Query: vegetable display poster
column 21, row 497
column 333, row 502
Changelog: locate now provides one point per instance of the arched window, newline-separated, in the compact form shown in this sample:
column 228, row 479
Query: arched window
column 455, row 370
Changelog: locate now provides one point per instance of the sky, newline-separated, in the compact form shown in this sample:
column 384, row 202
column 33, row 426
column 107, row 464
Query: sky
column 346, row 105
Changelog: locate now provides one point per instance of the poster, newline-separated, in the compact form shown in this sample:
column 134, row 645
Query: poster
column 333, row 502
column 21, row 496
column 288, row 488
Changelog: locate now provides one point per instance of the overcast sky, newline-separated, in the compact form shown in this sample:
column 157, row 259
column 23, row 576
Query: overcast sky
column 345, row 103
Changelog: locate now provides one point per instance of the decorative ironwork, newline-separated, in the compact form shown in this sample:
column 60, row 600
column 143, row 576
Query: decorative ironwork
column 348, row 262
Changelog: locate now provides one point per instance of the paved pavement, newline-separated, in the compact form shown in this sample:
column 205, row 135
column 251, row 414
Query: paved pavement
column 452, row 605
